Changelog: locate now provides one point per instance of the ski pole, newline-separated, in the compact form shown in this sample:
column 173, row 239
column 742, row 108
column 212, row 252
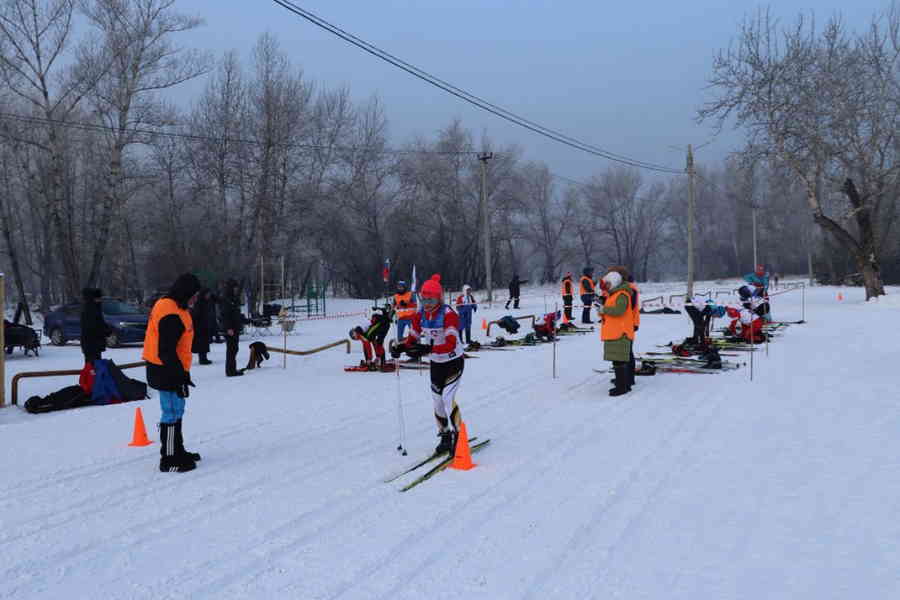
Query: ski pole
column 553, row 333
column 401, row 421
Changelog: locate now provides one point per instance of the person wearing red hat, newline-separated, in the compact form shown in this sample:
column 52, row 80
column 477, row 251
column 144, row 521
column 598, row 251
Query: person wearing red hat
column 436, row 324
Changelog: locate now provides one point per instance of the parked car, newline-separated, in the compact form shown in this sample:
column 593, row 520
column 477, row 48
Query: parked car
column 127, row 321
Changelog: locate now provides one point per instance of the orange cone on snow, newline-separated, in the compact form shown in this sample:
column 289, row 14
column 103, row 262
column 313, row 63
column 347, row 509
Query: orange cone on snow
column 139, row 437
column 484, row 324
column 462, row 457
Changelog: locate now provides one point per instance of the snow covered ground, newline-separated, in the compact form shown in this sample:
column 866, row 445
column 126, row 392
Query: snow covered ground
column 691, row 487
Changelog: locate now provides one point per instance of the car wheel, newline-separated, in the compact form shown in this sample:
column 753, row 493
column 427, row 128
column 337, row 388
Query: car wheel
column 57, row 338
column 112, row 340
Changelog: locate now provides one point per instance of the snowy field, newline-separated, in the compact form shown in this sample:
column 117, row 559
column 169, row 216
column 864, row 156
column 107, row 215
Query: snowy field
column 691, row 487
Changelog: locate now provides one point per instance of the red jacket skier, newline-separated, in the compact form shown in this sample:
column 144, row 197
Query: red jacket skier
column 435, row 333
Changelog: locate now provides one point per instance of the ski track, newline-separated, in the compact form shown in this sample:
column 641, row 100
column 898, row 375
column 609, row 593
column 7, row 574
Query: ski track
column 329, row 527
column 262, row 564
column 160, row 523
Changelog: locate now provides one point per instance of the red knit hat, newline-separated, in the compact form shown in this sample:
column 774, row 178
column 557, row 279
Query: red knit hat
column 432, row 288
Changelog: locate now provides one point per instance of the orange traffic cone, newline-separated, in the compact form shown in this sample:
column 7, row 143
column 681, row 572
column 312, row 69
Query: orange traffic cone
column 484, row 324
column 840, row 297
column 139, row 437
column 462, row 457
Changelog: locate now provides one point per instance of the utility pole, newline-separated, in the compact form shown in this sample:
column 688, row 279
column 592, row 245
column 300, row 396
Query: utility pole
column 755, row 254
column 690, row 231
column 485, row 224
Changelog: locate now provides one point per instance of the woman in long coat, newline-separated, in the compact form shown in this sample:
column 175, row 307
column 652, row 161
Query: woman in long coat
column 200, row 315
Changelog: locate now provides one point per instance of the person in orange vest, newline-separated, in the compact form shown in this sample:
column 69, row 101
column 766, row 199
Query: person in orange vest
column 587, row 292
column 567, row 295
column 635, row 313
column 617, row 330
column 405, row 306
column 167, row 350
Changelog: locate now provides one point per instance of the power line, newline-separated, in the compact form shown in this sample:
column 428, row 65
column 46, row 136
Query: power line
column 99, row 128
column 469, row 97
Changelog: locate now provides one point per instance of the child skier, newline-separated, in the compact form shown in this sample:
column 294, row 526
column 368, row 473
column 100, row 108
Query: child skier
column 755, row 300
column 372, row 337
column 546, row 329
column 465, row 306
column 437, row 325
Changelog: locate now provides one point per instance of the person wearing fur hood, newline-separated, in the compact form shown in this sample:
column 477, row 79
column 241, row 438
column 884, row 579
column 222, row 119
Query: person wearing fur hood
column 617, row 329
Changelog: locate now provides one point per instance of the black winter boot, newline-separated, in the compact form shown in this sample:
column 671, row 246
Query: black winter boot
column 170, row 460
column 631, row 370
column 448, row 442
column 621, row 369
column 179, row 444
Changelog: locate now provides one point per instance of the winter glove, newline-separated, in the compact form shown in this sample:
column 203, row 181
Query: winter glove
column 419, row 350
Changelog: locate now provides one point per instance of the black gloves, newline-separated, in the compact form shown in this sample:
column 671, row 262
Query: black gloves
column 419, row 350
column 183, row 390
column 412, row 350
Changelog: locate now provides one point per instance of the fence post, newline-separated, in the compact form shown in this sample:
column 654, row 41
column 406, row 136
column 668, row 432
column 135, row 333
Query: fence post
column 2, row 341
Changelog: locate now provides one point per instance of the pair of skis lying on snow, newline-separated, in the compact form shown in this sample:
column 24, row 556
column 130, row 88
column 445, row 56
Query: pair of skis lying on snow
column 445, row 461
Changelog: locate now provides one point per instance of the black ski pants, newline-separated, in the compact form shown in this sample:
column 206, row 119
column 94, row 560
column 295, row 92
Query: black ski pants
column 567, row 306
column 231, row 352
column 587, row 300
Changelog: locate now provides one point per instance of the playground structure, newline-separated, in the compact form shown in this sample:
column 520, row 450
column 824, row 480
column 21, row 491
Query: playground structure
column 304, row 299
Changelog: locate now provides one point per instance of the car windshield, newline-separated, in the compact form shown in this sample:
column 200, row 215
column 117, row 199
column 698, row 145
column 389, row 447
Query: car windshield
column 112, row 307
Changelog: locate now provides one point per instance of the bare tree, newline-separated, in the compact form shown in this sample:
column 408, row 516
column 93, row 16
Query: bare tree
column 36, row 38
column 546, row 215
column 825, row 105
column 138, row 47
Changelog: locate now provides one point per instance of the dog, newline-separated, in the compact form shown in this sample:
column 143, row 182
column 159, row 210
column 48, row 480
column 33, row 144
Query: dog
column 258, row 353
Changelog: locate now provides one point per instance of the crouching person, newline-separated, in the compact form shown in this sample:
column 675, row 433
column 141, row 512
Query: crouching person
column 167, row 350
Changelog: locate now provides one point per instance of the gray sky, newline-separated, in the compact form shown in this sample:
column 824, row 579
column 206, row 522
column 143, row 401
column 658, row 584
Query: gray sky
column 626, row 76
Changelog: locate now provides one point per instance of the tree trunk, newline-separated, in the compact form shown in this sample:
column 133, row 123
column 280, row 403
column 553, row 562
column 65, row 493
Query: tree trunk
column 110, row 208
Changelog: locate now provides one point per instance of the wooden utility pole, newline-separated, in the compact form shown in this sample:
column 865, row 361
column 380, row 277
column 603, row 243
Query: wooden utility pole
column 485, row 224
column 755, row 254
column 690, row 231
column 2, row 341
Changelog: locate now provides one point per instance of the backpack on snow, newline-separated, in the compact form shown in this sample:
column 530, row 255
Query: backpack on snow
column 68, row 397
column 129, row 389
column 508, row 324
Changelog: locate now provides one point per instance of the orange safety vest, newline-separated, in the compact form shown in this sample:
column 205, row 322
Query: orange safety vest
column 567, row 287
column 409, row 310
column 589, row 289
column 614, row 328
column 636, row 309
column 163, row 308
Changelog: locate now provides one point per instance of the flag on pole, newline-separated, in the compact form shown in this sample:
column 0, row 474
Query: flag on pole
column 413, row 288
column 386, row 271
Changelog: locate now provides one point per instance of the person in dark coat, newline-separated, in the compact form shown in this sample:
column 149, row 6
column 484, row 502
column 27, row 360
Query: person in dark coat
column 215, row 331
column 167, row 351
column 515, row 287
column 200, row 315
column 94, row 329
column 230, row 309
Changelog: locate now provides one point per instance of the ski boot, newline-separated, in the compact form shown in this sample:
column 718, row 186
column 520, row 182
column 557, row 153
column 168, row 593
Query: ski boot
column 170, row 460
column 448, row 442
column 179, row 444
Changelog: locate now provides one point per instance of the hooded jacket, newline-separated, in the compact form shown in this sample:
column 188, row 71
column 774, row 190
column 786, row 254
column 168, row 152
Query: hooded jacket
column 93, row 327
column 172, row 373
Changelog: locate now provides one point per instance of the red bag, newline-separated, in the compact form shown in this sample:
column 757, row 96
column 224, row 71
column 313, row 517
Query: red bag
column 86, row 379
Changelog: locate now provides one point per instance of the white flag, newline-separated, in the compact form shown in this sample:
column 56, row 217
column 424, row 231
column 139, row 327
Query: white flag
column 413, row 288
